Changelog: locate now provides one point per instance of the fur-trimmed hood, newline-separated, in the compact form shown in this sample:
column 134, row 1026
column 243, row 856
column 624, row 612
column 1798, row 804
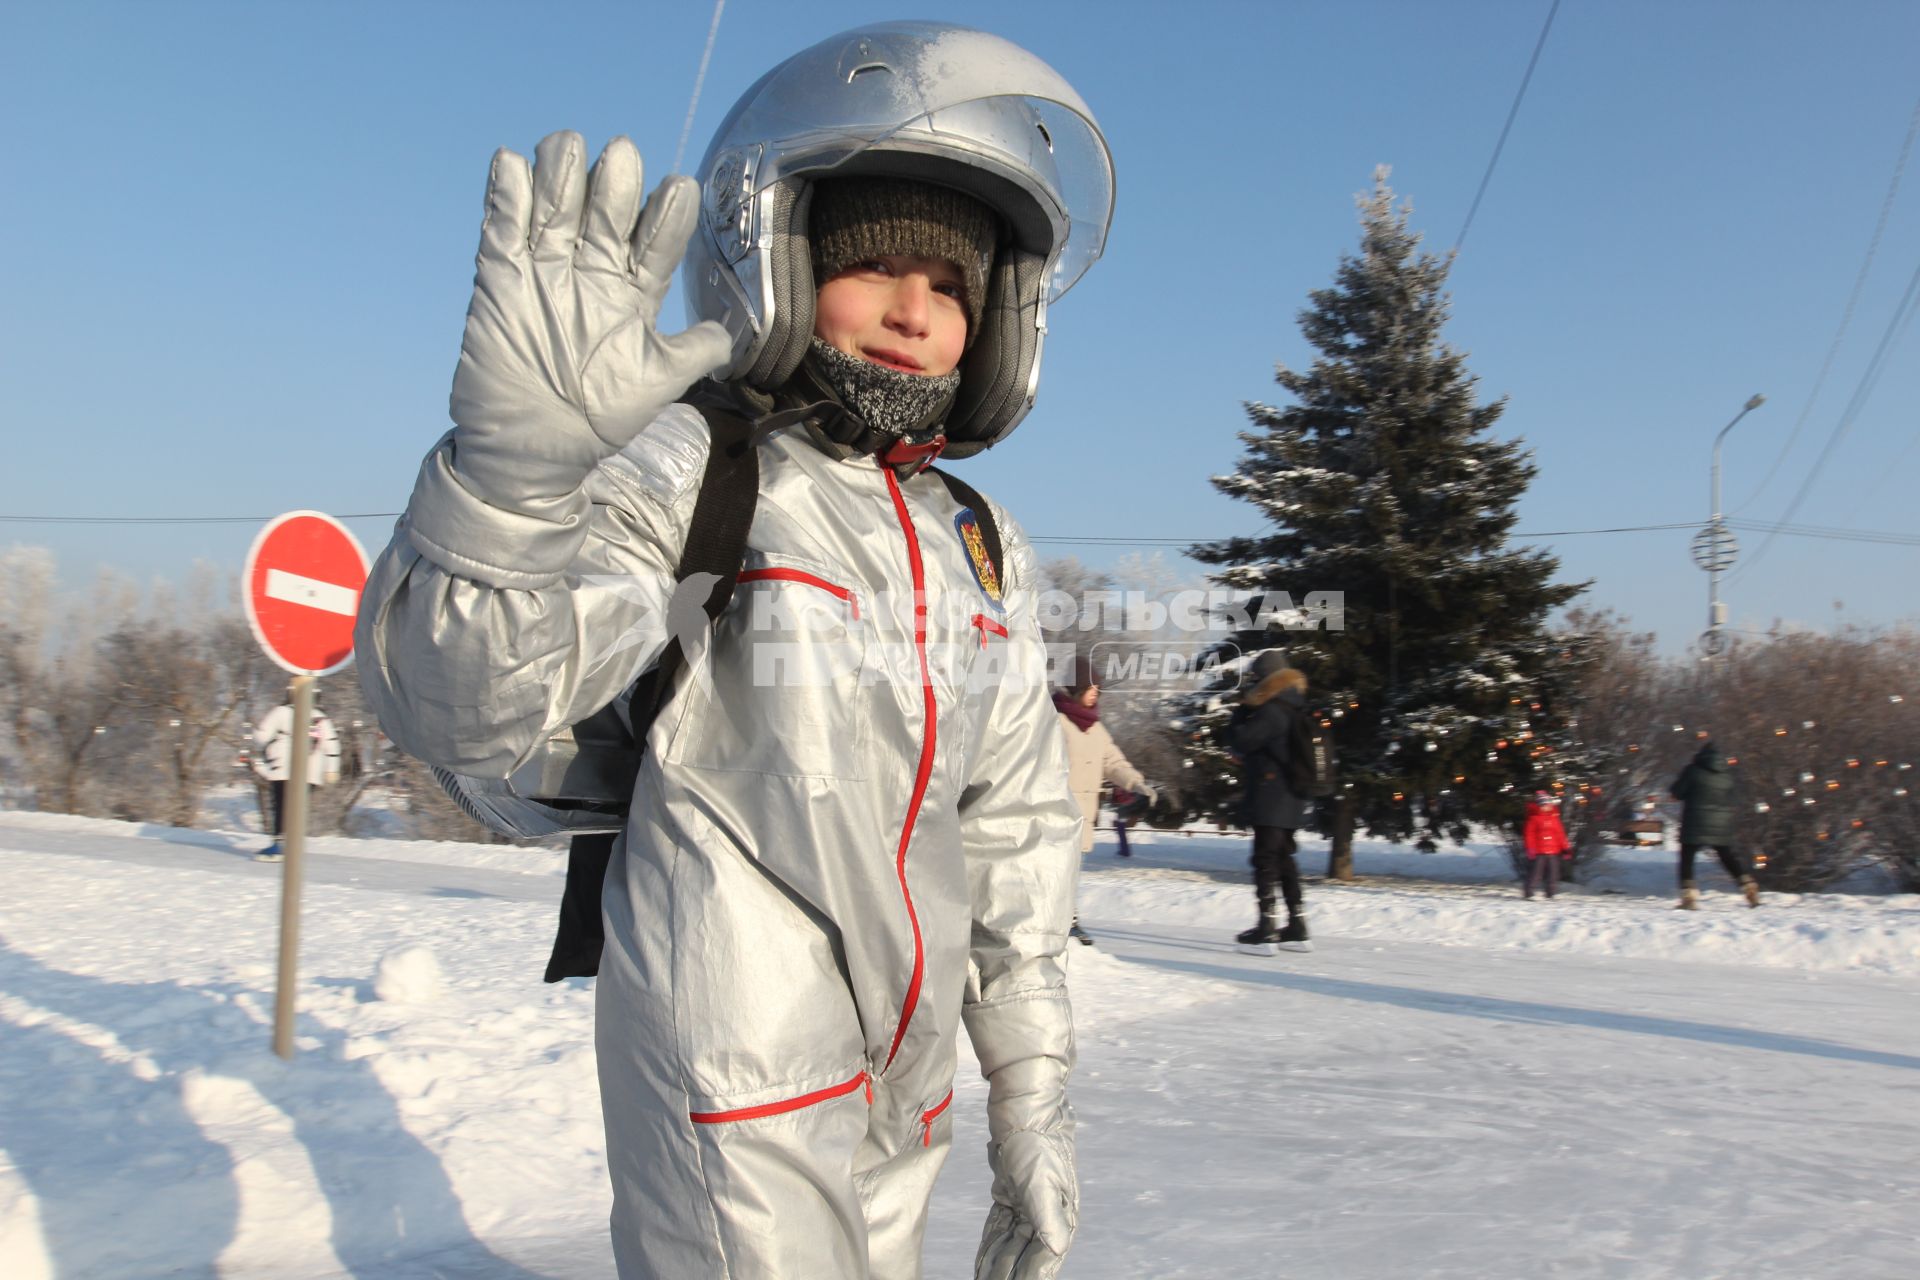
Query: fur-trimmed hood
column 1287, row 680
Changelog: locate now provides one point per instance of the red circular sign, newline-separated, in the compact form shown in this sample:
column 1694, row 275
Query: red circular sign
column 303, row 581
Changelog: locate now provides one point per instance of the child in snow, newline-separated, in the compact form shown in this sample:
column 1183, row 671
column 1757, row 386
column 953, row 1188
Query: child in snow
column 821, row 875
column 1546, row 842
column 1127, row 806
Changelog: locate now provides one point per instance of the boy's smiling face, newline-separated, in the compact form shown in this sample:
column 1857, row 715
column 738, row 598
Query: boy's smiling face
column 898, row 312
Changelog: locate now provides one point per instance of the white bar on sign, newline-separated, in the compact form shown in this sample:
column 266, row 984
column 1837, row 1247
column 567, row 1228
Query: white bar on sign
column 312, row 592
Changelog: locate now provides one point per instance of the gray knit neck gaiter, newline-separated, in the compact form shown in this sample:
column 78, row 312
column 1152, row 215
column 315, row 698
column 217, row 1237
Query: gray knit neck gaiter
column 892, row 401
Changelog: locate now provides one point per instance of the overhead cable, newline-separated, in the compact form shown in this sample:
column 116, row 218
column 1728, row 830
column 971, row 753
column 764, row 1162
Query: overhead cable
column 1862, row 391
column 1103, row 540
column 1506, row 128
column 1846, row 315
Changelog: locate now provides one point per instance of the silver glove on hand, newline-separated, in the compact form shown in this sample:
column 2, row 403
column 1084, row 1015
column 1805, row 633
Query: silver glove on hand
column 562, row 363
column 1036, row 1206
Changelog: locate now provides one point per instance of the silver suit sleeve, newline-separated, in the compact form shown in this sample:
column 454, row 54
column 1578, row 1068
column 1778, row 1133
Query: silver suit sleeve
column 1020, row 829
column 472, row 655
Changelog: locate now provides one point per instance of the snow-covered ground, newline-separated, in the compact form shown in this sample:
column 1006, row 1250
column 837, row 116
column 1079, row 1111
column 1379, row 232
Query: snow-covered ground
column 1456, row 1083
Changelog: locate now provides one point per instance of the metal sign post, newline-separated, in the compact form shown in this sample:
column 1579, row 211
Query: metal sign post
column 294, row 846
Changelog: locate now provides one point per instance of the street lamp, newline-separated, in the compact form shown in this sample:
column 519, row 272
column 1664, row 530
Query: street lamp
column 1714, row 547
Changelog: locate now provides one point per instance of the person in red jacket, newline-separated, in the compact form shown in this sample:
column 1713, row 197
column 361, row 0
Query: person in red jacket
column 1546, row 842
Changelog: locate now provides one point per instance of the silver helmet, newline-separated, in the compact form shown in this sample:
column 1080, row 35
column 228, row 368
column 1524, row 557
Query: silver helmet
column 920, row 100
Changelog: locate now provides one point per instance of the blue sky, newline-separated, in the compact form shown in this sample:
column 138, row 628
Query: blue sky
column 241, row 240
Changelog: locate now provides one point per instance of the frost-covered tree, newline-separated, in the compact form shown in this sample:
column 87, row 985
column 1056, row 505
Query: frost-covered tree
column 1381, row 481
column 1823, row 733
column 58, row 693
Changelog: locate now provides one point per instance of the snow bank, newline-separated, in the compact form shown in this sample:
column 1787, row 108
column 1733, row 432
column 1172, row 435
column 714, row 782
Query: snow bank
column 1466, row 897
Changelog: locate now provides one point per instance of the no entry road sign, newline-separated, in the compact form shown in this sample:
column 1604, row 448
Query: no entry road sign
column 303, row 581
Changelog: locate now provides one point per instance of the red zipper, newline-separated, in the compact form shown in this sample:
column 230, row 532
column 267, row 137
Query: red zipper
column 805, row 579
column 988, row 627
column 930, row 715
column 800, row 1103
column 928, row 1117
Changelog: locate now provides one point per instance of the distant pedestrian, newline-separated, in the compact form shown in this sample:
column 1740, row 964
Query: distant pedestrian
column 1705, row 791
column 1093, row 757
column 273, row 760
column 1546, row 842
column 1124, row 803
column 1269, row 734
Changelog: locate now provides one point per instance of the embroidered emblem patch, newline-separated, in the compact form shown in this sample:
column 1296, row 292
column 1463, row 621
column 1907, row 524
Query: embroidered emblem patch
column 968, row 527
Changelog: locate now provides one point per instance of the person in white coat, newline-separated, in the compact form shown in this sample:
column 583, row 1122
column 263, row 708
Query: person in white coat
column 850, row 829
column 1094, row 759
column 273, row 759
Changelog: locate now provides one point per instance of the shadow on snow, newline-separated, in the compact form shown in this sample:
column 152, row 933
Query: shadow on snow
column 125, row 1181
column 1498, row 1009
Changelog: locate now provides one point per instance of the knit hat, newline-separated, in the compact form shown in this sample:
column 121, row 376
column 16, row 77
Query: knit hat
column 1269, row 661
column 852, row 219
column 1083, row 675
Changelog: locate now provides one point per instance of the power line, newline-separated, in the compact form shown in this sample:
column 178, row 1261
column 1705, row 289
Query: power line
column 1103, row 540
column 1869, row 379
column 1846, row 316
column 1887, row 472
column 1750, row 526
column 1512, row 112
column 1836, row 534
column 1115, row 541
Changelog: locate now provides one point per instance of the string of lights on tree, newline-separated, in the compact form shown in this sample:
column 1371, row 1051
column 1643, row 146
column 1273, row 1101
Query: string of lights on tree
column 1812, row 790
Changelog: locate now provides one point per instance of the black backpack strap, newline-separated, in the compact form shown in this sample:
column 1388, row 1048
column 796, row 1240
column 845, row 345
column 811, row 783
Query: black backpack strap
column 717, row 545
column 968, row 496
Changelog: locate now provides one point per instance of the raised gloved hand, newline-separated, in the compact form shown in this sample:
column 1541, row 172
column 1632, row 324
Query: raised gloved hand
column 562, row 363
column 1036, row 1206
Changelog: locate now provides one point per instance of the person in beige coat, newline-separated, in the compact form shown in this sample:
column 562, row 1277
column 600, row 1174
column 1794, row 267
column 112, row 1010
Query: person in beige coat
column 1094, row 759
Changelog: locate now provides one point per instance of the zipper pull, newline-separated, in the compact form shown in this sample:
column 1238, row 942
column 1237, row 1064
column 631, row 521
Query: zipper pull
column 931, row 1114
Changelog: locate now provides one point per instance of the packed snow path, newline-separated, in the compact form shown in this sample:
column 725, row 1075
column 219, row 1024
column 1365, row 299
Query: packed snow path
column 1378, row 1108
column 1397, row 1110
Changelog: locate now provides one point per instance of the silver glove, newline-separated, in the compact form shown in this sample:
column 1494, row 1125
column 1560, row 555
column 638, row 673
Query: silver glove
column 1036, row 1206
column 562, row 363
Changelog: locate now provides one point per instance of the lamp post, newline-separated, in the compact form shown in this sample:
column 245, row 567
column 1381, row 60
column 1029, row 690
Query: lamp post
column 1714, row 547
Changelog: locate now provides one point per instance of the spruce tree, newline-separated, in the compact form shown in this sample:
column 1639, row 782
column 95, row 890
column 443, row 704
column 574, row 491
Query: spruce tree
column 1444, row 690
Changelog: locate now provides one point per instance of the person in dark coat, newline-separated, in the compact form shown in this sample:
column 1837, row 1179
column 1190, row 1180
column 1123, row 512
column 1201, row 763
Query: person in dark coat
column 1264, row 734
column 1705, row 790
